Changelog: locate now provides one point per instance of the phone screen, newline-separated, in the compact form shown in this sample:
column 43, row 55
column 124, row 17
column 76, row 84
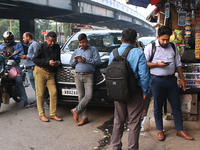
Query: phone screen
column 79, row 56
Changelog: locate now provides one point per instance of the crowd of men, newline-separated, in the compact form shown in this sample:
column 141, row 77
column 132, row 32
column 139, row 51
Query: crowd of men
column 43, row 60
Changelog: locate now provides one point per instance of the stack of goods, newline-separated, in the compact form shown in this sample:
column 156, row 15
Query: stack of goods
column 193, row 76
column 197, row 35
column 177, row 38
column 188, row 26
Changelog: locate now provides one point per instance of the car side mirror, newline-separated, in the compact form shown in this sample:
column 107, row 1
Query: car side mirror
column 141, row 45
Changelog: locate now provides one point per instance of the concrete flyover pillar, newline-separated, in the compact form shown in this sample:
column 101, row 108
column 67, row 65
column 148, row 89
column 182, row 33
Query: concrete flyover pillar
column 26, row 25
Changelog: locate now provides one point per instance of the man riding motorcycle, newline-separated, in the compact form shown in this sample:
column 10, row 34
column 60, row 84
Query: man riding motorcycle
column 6, row 49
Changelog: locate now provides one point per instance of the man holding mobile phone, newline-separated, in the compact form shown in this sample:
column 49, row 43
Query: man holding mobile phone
column 163, row 81
column 84, row 60
column 32, row 47
column 47, row 60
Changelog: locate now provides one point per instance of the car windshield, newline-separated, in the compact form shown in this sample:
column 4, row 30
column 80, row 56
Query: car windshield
column 103, row 41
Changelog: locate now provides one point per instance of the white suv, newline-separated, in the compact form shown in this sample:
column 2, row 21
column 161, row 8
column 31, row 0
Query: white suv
column 105, row 41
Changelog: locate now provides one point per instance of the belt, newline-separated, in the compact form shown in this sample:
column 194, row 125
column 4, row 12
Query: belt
column 84, row 73
column 31, row 67
column 166, row 77
column 44, row 69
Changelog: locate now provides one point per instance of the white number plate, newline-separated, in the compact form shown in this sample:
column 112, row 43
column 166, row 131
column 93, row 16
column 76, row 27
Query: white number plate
column 69, row 92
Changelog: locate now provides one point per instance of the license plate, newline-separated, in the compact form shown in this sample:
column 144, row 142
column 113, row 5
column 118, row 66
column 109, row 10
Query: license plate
column 69, row 92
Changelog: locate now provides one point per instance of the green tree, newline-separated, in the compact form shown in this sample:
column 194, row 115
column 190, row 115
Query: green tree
column 5, row 26
column 15, row 29
column 41, row 26
column 67, row 29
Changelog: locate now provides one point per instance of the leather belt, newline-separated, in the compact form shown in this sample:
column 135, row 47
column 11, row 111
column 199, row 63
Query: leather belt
column 84, row 73
column 31, row 67
column 44, row 69
column 166, row 77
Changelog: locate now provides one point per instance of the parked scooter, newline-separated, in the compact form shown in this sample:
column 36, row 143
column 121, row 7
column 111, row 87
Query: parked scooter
column 8, row 87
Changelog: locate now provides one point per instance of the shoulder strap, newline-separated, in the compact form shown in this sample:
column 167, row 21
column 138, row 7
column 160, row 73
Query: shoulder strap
column 173, row 46
column 125, row 53
column 153, row 51
column 115, row 52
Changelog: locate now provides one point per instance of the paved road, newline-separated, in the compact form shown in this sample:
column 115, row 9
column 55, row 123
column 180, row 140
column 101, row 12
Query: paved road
column 21, row 129
column 148, row 141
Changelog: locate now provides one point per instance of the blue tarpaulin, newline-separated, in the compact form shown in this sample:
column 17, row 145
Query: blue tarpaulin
column 141, row 3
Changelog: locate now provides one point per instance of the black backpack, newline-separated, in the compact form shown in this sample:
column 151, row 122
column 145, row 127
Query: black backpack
column 121, row 83
column 154, row 50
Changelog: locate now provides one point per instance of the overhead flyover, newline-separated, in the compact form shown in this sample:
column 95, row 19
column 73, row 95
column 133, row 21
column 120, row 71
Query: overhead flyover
column 108, row 13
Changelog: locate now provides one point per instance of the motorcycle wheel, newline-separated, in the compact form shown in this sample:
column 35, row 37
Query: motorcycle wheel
column 16, row 99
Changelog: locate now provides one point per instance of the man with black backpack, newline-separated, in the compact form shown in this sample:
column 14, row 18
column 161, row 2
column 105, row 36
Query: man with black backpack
column 162, row 59
column 132, row 95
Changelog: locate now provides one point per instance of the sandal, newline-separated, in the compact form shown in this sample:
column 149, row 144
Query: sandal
column 26, row 105
column 33, row 106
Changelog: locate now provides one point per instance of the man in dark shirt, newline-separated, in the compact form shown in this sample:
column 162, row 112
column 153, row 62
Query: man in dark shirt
column 47, row 59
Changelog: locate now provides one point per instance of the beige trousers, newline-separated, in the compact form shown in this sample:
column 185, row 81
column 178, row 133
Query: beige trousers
column 42, row 79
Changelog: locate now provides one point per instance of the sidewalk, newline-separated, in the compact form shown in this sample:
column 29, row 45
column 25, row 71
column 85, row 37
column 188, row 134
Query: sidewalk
column 148, row 141
column 148, row 138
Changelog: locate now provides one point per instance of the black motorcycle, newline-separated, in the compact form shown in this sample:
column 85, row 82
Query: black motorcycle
column 8, row 88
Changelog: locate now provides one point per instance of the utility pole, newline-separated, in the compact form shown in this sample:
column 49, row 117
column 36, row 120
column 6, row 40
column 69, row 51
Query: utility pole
column 10, row 25
column 56, row 26
column 59, row 35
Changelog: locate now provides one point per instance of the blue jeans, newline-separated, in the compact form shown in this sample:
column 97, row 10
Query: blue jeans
column 166, row 88
column 84, row 85
column 32, row 80
column 20, row 86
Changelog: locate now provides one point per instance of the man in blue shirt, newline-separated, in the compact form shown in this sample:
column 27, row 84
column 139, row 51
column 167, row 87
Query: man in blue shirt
column 84, row 60
column 134, row 106
column 8, row 37
column 163, row 81
column 32, row 47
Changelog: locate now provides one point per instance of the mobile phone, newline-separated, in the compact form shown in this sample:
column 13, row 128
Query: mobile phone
column 79, row 56
column 167, row 62
column 57, row 61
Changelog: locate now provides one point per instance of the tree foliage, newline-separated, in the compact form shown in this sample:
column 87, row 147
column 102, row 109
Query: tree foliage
column 40, row 26
column 5, row 25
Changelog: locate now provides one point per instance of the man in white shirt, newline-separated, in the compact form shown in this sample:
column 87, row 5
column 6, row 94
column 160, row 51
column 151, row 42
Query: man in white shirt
column 163, row 81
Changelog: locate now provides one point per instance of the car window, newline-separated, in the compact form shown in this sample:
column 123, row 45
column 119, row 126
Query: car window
column 104, row 42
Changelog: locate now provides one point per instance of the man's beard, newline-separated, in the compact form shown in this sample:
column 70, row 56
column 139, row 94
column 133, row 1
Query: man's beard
column 162, row 45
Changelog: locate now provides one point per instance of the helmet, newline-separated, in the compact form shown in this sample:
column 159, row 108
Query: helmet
column 8, row 35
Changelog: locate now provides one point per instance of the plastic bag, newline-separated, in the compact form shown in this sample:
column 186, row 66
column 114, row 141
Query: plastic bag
column 13, row 73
